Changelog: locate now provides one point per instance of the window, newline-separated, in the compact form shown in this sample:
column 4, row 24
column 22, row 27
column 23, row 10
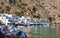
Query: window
column 12, row 1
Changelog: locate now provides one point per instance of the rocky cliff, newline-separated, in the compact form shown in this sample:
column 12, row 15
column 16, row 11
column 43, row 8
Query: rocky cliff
column 41, row 8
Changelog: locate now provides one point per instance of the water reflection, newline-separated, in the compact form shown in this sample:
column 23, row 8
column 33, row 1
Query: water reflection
column 45, row 32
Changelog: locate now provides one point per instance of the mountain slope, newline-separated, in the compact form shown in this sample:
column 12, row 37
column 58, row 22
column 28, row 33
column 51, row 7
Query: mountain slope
column 40, row 8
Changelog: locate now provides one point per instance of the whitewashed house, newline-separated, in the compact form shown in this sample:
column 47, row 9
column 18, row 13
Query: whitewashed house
column 8, row 18
column 45, row 22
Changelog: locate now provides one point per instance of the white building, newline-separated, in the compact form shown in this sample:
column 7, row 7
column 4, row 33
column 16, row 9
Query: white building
column 8, row 18
column 3, row 20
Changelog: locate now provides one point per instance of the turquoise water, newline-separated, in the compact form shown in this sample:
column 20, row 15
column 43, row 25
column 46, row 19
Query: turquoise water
column 45, row 32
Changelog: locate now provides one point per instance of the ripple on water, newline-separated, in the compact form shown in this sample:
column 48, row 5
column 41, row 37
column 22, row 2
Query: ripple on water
column 46, row 32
